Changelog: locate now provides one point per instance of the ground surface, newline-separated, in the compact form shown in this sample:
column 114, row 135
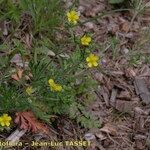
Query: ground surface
column 125, row 119
column 123, row 98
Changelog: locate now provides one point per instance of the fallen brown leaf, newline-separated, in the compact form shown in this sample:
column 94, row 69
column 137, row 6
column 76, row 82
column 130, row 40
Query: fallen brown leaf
column 27, row 121
column 126, row 27
column 110, row 129
column 101, row 136
column 17, row 76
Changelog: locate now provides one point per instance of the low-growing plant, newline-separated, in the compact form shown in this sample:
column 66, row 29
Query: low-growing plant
column 38, row 15
column 114, row 45
column 115, row 1
column 45, row 78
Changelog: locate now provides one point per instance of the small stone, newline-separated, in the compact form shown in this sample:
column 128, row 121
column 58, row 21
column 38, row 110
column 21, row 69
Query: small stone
column 89, row 136
column 64, row 55
column 89, row 25
column 125, row 51
column 50, row 53
column 110, row 129
column 100, row 136
column 81, row 9
column 17, row 60
column 103, row 62
column 129, row 35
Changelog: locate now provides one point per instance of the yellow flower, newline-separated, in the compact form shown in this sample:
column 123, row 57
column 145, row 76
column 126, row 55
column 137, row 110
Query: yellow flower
column 85, row 40
column 5, row 120
column 54, row 86
column 73, row 17
column 92, row 60
column 29, row 90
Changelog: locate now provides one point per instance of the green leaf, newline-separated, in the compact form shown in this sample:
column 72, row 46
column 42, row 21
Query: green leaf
column 115, row 1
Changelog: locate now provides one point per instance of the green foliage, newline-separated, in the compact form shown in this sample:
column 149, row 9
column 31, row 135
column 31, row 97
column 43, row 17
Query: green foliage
column 4, row 61
column 9, row 10
column 114, row 43
column 138, row 58
column 45, row 14
column 135, row 59
column 12, row 99
column 4, row 128
column 78, row 112
column 43, row 102
column 41, row 16
column 44, row 17
column 115, row 1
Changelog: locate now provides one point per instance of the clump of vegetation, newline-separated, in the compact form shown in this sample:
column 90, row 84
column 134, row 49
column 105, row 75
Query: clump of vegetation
column 115, row 1
column 37, row 73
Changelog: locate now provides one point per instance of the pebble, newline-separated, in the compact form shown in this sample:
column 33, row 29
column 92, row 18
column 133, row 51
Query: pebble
column 89, row 25
column 89, row 136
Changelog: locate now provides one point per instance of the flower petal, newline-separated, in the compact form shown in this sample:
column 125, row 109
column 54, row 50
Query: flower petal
column 51, row 81
column 9, row 118
column 91, row 55
column 7, row 124
column 1, row 119
column 96, row 58
column 5, row 115
column 88, row 39
column 95, row 64
column 2, row 124
column 68, row 14
column 74, row 22
column 87, row 59
column 58, row 88
column 73, row 17
column 90, row 65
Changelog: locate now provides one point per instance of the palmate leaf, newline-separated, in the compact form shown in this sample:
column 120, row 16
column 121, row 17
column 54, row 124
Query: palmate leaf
column 83, row 117
column 115, row 1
